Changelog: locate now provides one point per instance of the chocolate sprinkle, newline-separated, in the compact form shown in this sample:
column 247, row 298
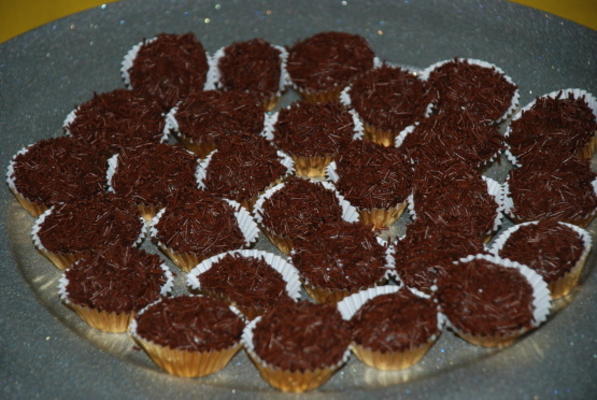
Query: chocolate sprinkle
column 372, row 176
column 169, row 68
column 548, row 247
column 199, row 223
column 59, row 170
column 91, row 224
column 558, row 128
column 302, row 336
column 395, row 322
column 250, row 283
column 340, row 255
column 560, row 190
column 149, row 174
column 486, row 299
column 118, row 118
column 115, row 279
column 308, row 130
column 390, row 98
column 329, row 59
column 300, row 208
column 191, row 323
column 482, row 91
column 253, row 66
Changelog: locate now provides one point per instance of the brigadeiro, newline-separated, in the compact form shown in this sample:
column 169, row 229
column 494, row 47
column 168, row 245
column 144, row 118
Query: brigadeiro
column 555, row 250
column 323, row 64
column 108, row 287
column 389, row 100
column 491, row 302
column 189, row 336
column 166, row 67
column 297, row 208
column 392, row 327
column 253, row 281
column 66, row 232
column 54, row 171
column 375, row 179
column 253, row 66
column 558, row 125
column 298, row 346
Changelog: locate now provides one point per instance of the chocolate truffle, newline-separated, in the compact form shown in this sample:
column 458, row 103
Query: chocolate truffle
column 166, row 68
column 338, row 259
column 557, row 125
column 472, row 85
column 148, row 174
column 54, row 171
column 323, row 64
column 563, row 190
column 118, row 118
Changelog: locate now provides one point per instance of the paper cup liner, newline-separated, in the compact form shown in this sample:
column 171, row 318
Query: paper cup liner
column 379, row 136
column 327, row 295
column 541, row 303
column 271, row 103
column 185, row 261
column 61, row 260
column 563, row 285
column 147, row 211
column 35, row 209
column 381, row 218
column 283, row 244
column 287, row 380
column 111, row 322
column 201, row 149
column 187, row 364
column 322, row 96
column 311, row 167
column 279, row 265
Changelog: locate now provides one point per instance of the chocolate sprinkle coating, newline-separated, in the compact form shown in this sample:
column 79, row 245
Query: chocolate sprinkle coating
column 210, row 116
column 169, row 68
column 453, row 193
column 149, row 174
column 395, row 322
column 328, row 59
column 118, row 118
column 373, row 176
column 300, row 208
column 59, row 170
column 480, row 90
column 560, row 190
column 427, row 252
column 548, row 247
column 302, row 336
column 115, row 279
column 191, row 323
column 454, row 135
column 309, row 130
column 199, row 223
column 91, row 224
column 248, row 282
column 558, row 127
column 243, row 167
column 486, row 299
column 390, row 98
column 252, row 66
column 340, row 255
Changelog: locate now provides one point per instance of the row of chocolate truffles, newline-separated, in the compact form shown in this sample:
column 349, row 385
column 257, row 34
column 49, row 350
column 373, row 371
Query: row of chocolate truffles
column 297, row 345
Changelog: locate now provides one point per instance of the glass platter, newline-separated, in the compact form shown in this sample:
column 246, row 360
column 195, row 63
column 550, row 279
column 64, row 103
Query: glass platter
column 45, row 349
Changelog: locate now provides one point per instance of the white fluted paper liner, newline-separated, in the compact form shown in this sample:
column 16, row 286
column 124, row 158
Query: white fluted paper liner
column 494, row 189
column 36, row 228
column 330, row 172
column 214, row 75
column 349, row 212
column 70, row 118
column 269, row 124
column 203, row 165
column 129, row 59
column 390, row 260
column 345, row 99
column 248, row 344
column 288, row 271
column 112, row 165
column 171, row 124
column 165, row 289
column 541, row 295
column 399, row 139
column 359, row 130
column 584, row 235
column 576, row 93
column 514, row 101
column 10, row 171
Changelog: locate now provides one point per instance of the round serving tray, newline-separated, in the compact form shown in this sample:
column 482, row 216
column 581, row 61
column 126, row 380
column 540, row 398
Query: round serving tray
column 45, row 349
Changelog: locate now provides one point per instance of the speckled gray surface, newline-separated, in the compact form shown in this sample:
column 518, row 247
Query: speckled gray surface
column 45, row 351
